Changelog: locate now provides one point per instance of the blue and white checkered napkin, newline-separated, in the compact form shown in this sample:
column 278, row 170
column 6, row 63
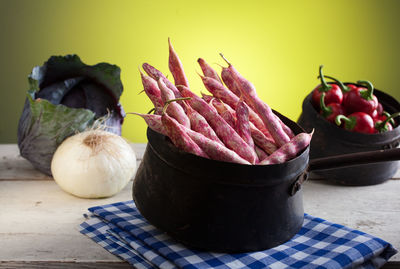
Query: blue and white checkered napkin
column 121, row 230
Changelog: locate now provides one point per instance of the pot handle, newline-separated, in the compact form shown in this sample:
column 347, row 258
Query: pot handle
column 297, row 184
column 354, row 159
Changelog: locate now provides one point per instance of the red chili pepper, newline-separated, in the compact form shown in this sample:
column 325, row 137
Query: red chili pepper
column 333, row 92
column 383, row 125
column 331, row 110
column 379, row 109
column 374, row 114
column 346, row 88
column 352, row 86
column 377, row 114
column 361, row 99
column 357, row 122
column 381, row 128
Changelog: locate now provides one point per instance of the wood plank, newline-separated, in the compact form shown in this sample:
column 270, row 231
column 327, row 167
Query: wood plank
column 39, row 222
column 15, row 167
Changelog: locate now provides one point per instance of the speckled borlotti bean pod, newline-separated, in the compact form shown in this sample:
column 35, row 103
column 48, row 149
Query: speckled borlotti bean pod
column 221, row 92
column 153, row 122
column 229, row 118
column 176, row 68
column 199, row 124
column 217, row 103
column 186, row 92
column 206, row 97
column 249, row 93
column 208, row 71
column 262, row 141
column 230, row 81
column 243, row 124
column 215, row 150
column 285, row 128
column 179, row 137
column 224, row 131
column 155, row 74
column 152, row 91
column 289, row 150
column 227, row 114
column 260, row 153
column 174, row 109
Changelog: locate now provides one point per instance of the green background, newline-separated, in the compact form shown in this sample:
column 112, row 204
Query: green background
column 278, row 45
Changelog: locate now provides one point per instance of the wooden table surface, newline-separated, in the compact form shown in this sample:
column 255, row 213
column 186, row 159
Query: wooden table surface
column 39, row 222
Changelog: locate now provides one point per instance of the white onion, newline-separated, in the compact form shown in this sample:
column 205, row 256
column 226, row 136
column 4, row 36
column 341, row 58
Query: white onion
column 93, row 164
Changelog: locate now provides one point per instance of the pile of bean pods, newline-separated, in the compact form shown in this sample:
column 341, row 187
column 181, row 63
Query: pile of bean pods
column 230, row 124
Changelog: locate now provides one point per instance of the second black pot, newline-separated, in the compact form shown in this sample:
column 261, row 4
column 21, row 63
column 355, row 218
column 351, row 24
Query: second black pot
column 330, row 140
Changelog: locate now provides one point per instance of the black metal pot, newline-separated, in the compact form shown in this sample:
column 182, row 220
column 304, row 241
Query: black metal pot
column 330, row 140
column 225, row 207
column 219, row 206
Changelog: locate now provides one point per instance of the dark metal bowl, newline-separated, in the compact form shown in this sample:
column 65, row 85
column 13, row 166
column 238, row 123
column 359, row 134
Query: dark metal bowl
column 330, row 140
column 219, row 206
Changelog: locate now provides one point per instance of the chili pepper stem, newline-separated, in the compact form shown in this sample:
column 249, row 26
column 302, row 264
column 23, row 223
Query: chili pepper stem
column 324, row 86
column 388, row 115
column 343, row 87
column 348, row 122
column 366, row 94
column 326, row 111
column 381, row 126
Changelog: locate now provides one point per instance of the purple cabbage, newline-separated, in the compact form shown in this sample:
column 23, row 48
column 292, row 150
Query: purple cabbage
column 67, row 96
